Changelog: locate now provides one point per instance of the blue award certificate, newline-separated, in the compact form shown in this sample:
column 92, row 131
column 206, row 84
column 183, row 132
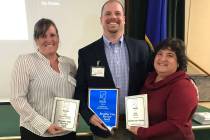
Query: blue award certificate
column 104, row 103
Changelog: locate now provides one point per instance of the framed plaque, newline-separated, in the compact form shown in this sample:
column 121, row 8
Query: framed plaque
column 136, row 111
column 104, row 103
column 65, row 113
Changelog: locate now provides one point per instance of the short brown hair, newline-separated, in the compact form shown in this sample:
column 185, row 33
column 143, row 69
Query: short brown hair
column 41, row 27
column 178, row 47
column 110, row 1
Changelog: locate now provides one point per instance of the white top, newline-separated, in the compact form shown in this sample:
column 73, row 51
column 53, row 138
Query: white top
column 33, row 88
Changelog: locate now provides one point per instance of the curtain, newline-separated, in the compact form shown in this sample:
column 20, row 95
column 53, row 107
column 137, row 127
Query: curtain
column 176, row 18
column 136, row 18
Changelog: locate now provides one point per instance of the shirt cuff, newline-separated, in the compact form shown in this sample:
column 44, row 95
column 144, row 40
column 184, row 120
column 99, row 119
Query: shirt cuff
column 41, row 124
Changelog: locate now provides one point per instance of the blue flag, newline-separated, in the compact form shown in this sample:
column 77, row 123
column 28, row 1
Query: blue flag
column 156, row 22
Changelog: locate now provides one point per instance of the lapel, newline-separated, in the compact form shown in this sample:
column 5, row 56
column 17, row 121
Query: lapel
column 131, row 50
column 101, row 56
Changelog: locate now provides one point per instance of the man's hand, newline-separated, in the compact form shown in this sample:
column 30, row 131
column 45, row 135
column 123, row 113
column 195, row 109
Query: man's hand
column 133, row 129
column 55, row 129
column 97, row 122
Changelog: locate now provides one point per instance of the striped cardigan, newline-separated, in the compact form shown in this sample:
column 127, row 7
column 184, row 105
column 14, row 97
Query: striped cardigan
column 34, row 85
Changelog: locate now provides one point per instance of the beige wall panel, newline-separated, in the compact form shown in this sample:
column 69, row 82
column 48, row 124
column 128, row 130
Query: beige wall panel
column 198, row 32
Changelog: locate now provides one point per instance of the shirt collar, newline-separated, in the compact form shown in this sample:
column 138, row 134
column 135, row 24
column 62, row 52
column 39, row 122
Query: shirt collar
column 109, row 43
column 41, row 56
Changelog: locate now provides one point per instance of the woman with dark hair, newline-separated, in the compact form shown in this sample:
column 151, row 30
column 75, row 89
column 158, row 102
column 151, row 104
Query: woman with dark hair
column 36, row 79
column 172, row 98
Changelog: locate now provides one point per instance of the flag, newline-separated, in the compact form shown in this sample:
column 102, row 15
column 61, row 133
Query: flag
column 156, row 22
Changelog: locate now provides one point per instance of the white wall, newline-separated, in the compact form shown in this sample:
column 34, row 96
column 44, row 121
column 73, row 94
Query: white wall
column 77, row 21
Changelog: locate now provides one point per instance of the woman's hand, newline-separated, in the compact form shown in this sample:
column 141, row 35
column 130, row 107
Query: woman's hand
column 133, row 129
column 55, row 129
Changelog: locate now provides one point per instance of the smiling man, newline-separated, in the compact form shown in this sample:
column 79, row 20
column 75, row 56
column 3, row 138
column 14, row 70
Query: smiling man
column 113, row 20
column 123, row 62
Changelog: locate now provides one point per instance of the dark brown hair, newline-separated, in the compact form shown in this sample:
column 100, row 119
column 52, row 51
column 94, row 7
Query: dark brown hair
column 178, row 47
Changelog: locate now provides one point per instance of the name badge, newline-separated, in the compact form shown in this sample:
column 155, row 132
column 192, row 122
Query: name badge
column 97, row 71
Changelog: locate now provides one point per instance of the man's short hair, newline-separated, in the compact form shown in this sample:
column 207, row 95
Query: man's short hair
column 111, row 1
